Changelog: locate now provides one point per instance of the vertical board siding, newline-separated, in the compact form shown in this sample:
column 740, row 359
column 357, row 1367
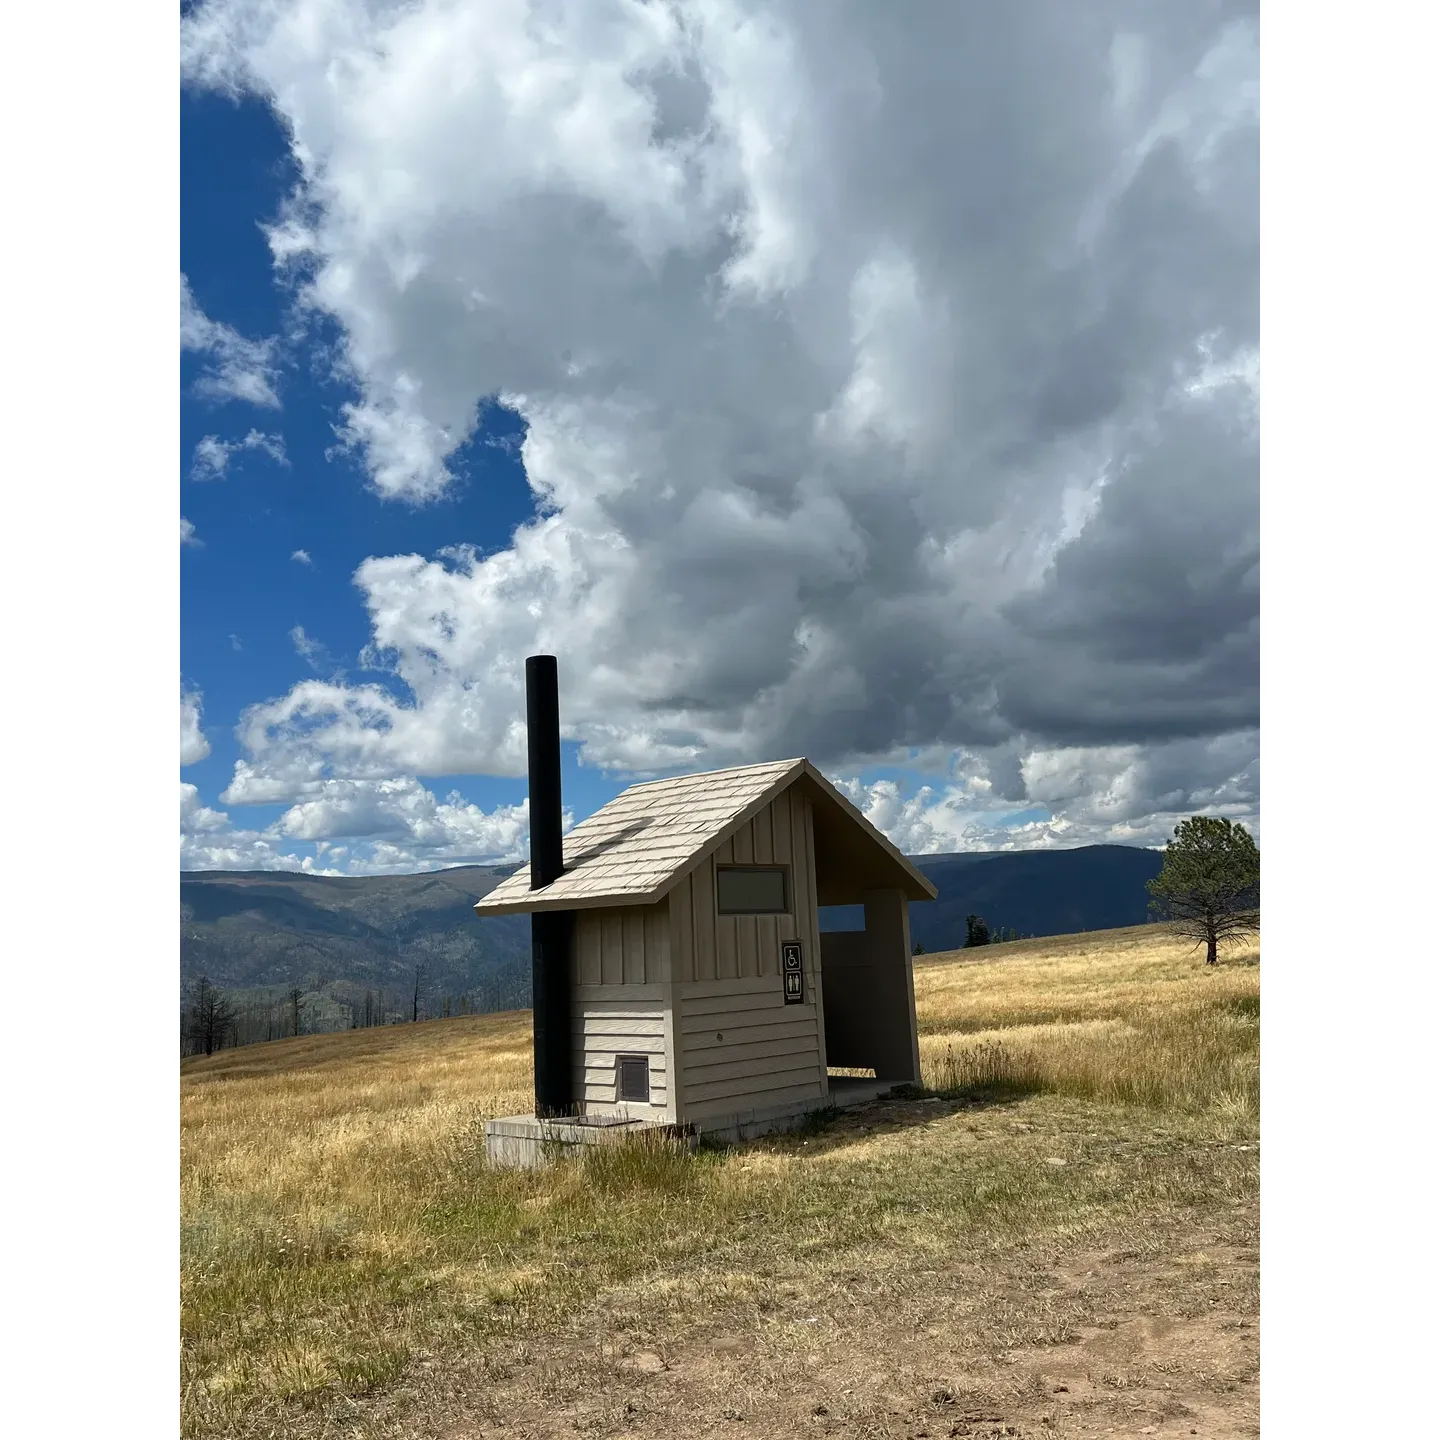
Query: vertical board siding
column 682, row 931
column 743, row 947
column 747, row 946
column 703, row 911
column 762, row 938
column 612, row 958
column 623, row 945
column 727, row 942
column 767, row 945
column 587, row 951
column 727, row 946
column 632, row 946
column 762, row 843
column 746, row 926
column 656, row 939
column 782, row 852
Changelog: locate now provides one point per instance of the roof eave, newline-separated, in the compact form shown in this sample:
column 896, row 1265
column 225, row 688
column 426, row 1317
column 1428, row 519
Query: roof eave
column 530, row 903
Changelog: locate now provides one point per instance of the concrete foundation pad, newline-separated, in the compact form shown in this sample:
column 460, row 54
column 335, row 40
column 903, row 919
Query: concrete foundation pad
column 525, row 1141
column 846, row 1090
column 775, row 1119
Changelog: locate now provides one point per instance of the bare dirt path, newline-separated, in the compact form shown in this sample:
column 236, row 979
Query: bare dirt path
column 1158, row 1337
column 1145, row 1364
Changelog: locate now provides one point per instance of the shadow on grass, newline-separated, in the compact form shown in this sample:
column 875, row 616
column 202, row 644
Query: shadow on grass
column 834, row 1126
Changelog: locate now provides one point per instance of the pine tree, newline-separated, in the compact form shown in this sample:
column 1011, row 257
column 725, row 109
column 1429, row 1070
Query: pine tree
column 1208, row 889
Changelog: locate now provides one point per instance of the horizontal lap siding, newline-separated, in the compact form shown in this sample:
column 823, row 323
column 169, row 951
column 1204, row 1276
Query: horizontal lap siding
column 735, row 1096
column 699, row 1042
column 632, row 1023
column 762, row 1045
column 745, row 1048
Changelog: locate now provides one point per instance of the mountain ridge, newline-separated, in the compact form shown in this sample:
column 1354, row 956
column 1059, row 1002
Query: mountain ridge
column 341, row 937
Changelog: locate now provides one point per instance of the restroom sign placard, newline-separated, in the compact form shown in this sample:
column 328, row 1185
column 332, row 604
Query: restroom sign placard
column 792, row 972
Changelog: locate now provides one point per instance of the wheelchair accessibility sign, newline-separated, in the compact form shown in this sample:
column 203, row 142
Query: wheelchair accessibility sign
column 792, row 971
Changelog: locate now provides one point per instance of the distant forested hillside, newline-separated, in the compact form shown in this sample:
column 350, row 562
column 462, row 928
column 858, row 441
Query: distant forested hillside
column 1035, row 892
column 340, row 951
column 353, row 946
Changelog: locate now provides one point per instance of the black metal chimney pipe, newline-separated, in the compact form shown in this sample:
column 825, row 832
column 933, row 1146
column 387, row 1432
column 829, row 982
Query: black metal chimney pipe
column 542, row 735
column 550, row 930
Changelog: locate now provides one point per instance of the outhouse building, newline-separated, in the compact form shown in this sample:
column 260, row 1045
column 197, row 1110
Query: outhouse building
column 700, row 990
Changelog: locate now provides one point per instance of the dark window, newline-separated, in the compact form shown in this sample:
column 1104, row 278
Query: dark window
column 634, row 1078
column 751, row 890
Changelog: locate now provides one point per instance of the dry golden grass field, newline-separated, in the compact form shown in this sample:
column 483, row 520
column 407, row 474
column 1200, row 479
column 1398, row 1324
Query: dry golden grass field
column 1058, row 1238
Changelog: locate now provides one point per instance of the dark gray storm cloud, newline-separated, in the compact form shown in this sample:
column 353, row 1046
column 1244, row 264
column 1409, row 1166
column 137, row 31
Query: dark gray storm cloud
column 890, row 376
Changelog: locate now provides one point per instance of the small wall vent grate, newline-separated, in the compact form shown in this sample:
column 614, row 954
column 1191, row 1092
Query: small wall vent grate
column 633, row 1078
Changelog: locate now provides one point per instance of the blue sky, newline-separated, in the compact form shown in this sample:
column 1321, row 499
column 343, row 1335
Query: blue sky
column 780, row 450
column 244, row 592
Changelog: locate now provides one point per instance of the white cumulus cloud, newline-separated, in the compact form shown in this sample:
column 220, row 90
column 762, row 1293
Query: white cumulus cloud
column 235, row 368
column 211, row 460
column 1112, row 795
column 193, row 744
column 888, row 377
column 389, row 827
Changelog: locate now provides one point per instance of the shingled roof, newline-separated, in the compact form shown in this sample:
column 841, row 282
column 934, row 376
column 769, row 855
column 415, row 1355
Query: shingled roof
column 635, row 849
